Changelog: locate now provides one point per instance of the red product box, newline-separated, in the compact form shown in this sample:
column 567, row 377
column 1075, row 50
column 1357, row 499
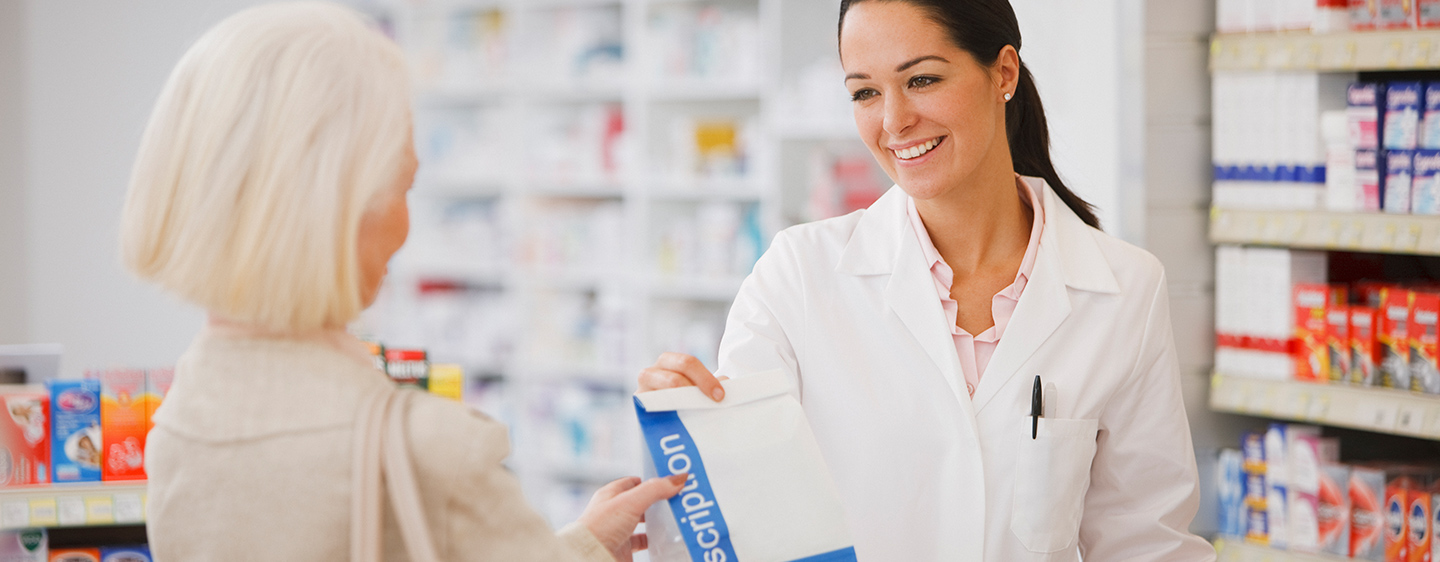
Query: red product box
column 122, row 424
column 1334, row 509
column 1364, row 347
column 1402, row 484
column 1395, row 14
column 1363, row 14
column 1367, row 517
column 1337, row 340
column 1394, row 335
column 75, row 555
column 1427, row 13
column 1424, row 345
column 1419, row 533
column 1311, row 353
column 25, row 435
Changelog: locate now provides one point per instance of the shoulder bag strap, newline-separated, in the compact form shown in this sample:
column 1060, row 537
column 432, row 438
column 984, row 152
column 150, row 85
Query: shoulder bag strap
column 400, row 477
column 365, row 520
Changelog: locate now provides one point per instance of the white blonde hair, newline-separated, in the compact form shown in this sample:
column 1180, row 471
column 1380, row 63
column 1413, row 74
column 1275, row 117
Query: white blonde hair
column 270, row 138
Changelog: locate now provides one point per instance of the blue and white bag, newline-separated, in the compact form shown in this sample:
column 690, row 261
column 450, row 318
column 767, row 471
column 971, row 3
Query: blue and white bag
column 758, row 491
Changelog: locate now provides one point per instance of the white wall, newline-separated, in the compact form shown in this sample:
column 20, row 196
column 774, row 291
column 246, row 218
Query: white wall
column 12, row 172
column 93, row 71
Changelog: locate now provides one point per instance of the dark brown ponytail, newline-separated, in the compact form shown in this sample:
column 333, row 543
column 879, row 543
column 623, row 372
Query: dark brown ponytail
column 982, row 28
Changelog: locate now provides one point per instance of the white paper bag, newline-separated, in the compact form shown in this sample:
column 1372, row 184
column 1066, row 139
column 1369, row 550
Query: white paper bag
column 758, row 491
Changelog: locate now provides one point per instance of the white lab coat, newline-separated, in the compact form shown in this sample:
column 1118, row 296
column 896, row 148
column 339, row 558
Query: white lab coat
column 848, row 308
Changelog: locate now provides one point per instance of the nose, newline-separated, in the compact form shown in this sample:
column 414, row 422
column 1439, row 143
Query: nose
column 899, row 114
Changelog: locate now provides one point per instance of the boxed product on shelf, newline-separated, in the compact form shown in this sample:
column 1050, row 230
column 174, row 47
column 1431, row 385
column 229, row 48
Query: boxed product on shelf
column 1424, row 347
column 1418, row 539
column 75, row 555
column 1248, row 16
column 75, row 430
column 1367, row 513
column 408, row 367
column 570, row 143
column 157, row 385
column 711, row 148
column 447, row 380
column 1277, row 486
column 1430, row 119
column 1364, row 347
column 1399, row 170
column 1312, row 351
column 1230, row 492
column 25, row 435
column 1333, row 513
column 122, row 423
column 1425, row 183
column 24, row 545
column 1363, row 15
column 1337, row 341
column 136, row 553
column 1427, row 13
column 1393, row 337
column 704, row 42
column 1307, row 456
column 1364, row 103
column 1394, row 14
column 1254, row 318
column 1369, row 169
column 1402, row 115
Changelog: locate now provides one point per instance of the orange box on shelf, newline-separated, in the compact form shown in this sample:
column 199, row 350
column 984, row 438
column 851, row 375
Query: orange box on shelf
column 1393, row 336
column 75, row 555
column 1424, row 345
column 157, row 385
column 25, row 435
column 1419, row 536
column 1364, row 349
column 122, row 424
column 1337, row 339
column 1311, row 354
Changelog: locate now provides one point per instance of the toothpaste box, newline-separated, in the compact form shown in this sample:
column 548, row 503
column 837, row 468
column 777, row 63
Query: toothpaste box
column 1418, row 539
column 1403, row 103
column 1424, row 347
column 1337, row 340
column 1399, row 176
column 1367, row 517
column 137, row 553
column 1312, row 352
column 1395, row 14
column 1364, row 103
column 1364, row 348
column 1334, row 509
column 75, row 430
column 1230, row 492
column 75, row 555
column 1393, row 338
column 24, row 545
column 157, row 385
column 1369, row 167
column 1425, row 183
column 1430, row 119
column 25, row 435
column 122, row 424
column 1363, row 14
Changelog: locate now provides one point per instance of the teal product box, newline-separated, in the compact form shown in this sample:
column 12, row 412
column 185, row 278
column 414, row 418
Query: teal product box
column 138, row 553
column 75, row 430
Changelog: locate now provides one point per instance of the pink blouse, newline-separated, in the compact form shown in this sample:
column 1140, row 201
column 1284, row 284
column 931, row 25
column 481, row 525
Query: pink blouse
column 975, row 350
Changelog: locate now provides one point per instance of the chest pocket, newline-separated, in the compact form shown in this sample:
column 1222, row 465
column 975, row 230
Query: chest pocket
column 1052, row 475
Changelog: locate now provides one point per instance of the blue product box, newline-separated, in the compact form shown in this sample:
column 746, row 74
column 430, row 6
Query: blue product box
column 75, row 430
column 1402, row 115
column 1430, row 121
column 137, row 553
column 1364, row 107
column 1399, row 175
column 1230, row 486
column 1425, row 183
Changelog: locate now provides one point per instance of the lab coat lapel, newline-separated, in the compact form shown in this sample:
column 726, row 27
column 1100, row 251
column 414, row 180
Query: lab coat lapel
column 884, row 244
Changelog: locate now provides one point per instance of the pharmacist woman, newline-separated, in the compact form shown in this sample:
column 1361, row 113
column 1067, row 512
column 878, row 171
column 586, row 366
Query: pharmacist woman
column 270, row 189
column 914, row 330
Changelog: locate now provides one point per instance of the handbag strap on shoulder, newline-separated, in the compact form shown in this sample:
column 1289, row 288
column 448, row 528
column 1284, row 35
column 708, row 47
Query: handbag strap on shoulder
column 382, row 460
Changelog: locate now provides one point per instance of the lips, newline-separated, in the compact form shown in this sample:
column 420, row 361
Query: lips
column 916, row 151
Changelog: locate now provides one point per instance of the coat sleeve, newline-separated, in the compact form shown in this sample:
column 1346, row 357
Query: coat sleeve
column 1144, row 489
column 759, row 329
column 485, row 515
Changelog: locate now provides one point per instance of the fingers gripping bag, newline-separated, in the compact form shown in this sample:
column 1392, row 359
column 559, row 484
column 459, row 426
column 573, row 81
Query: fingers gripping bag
column 758, row 490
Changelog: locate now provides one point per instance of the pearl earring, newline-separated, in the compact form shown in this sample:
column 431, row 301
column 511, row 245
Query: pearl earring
column 1007, row 96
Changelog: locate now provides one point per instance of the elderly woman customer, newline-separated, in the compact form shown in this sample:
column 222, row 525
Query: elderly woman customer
column 270, row 189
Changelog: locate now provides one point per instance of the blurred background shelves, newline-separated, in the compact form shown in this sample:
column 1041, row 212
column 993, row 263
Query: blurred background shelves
column 1371, row 409
column 110, row 503
column 1333, row 52
column 1238, row 551
column 1325, row 230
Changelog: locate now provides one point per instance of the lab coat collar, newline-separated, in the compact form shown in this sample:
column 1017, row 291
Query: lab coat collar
column 1068, row 257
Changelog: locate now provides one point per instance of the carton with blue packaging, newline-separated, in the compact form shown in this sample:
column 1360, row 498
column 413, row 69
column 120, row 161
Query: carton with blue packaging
column 1430, row 121
column 1399, row 169
column 1230, row 492
column 75, row 430
column 1368, row 169
column 1425, row 183
column 138, row 553
column 1364, row 101
column 758, row 487
column 1402, row 115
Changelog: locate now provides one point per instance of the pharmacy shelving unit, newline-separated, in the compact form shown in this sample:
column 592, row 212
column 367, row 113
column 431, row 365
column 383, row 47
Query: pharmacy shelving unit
column 1369, row 409
column 73, row 505
column 632, row 300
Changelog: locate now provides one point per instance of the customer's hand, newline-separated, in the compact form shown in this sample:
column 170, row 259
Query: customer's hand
column 674, row 370
column 619, row 507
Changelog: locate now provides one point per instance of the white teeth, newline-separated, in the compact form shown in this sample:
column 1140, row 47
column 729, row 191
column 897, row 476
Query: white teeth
column 916, row 151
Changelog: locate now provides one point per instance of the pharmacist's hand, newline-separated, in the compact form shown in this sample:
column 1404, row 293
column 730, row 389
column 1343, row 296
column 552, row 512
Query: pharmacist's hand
column 619, row 507
column 674, row 370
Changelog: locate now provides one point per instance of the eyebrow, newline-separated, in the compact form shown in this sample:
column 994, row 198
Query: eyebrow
column 902, row 68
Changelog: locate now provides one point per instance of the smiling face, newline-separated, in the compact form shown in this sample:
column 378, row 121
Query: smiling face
column 933, row 117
